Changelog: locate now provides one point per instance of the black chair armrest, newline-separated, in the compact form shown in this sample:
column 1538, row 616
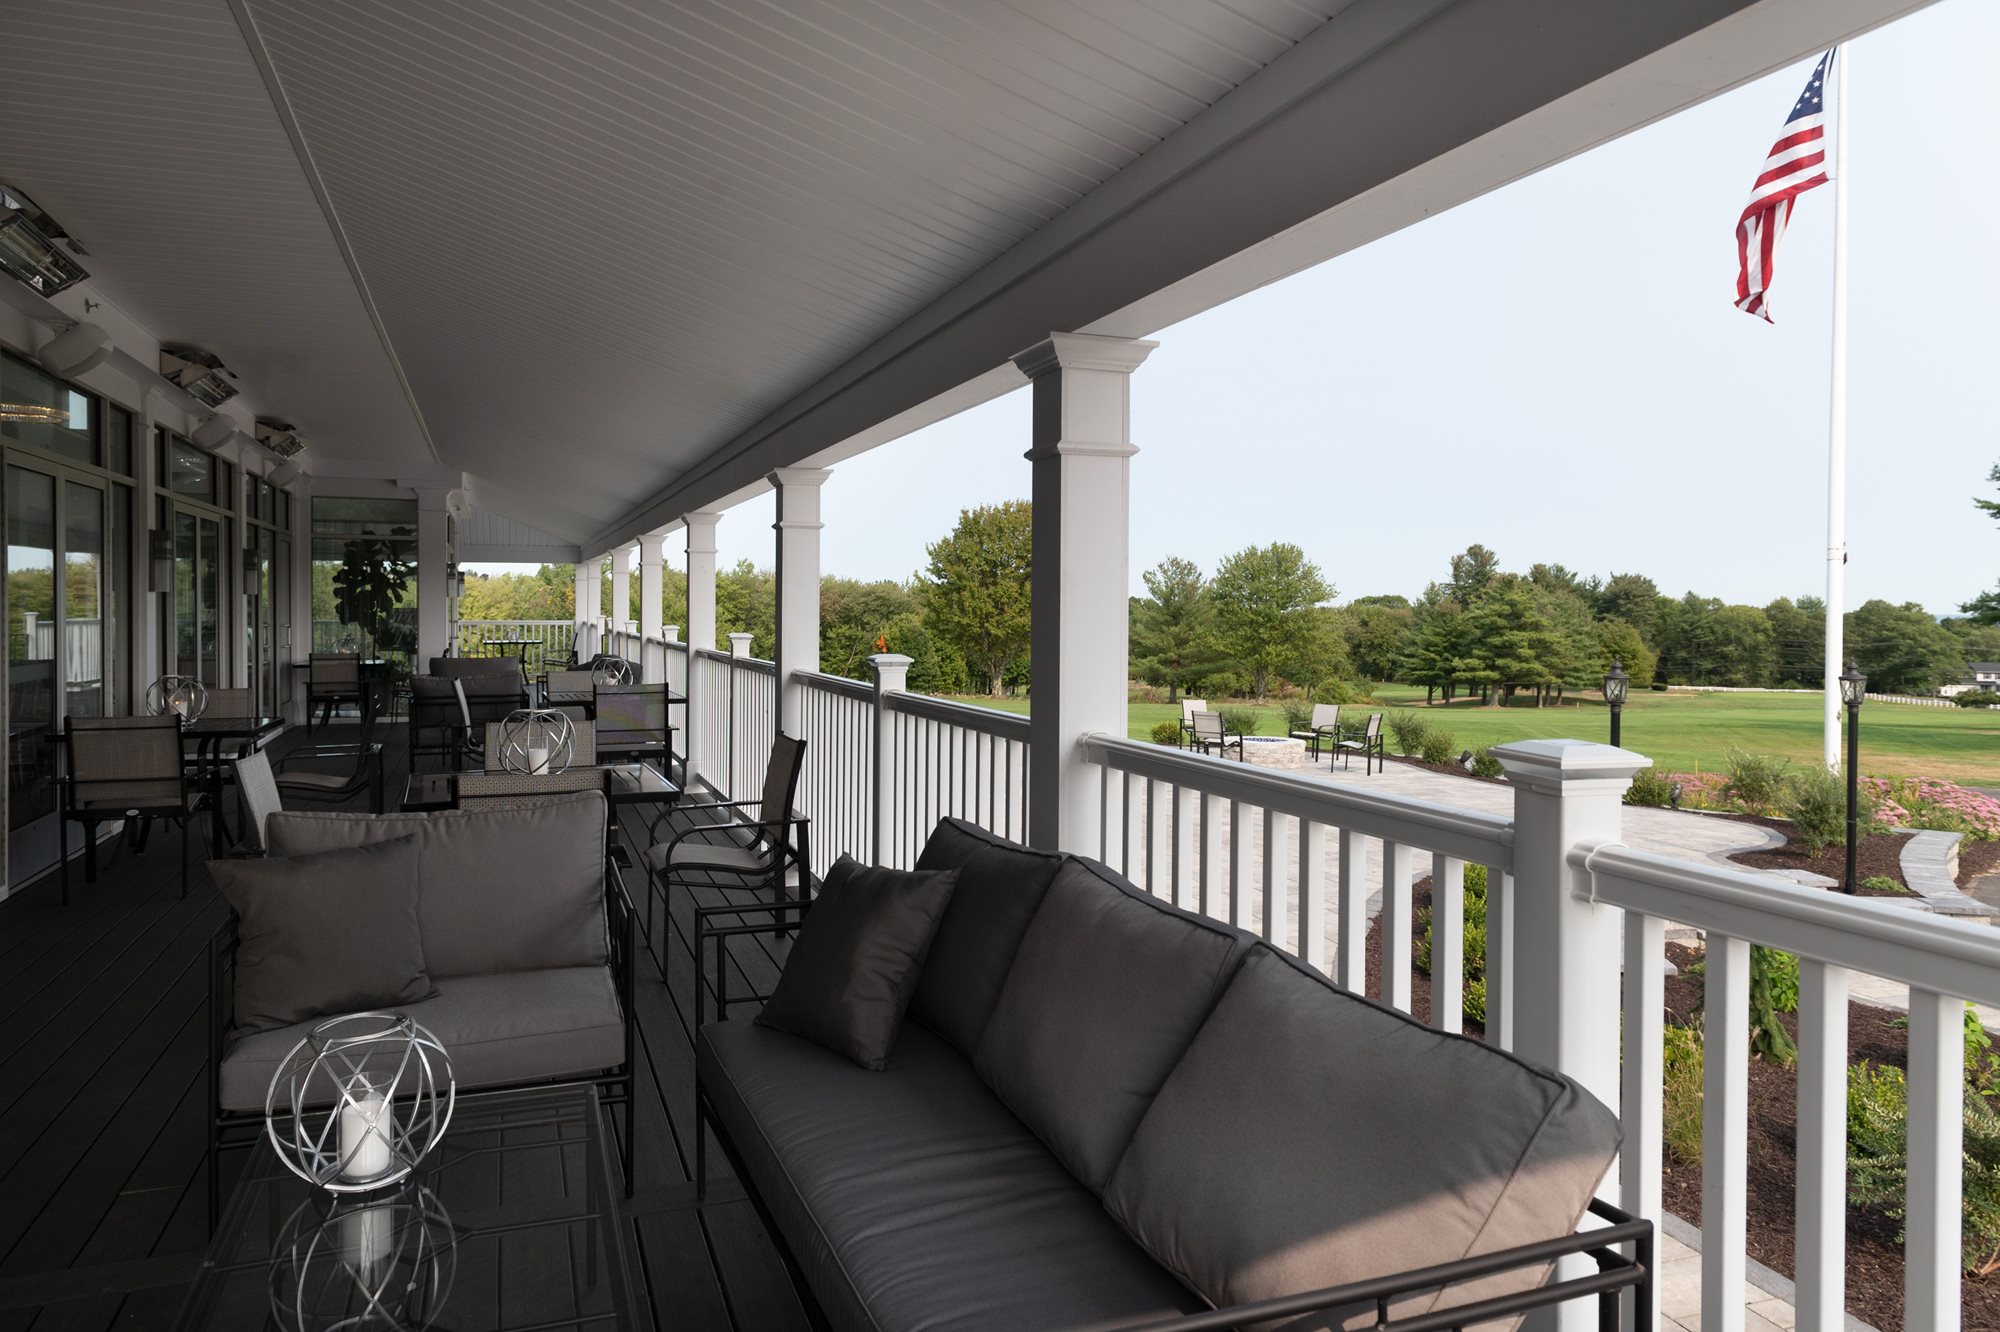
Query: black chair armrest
column 1615, row 1272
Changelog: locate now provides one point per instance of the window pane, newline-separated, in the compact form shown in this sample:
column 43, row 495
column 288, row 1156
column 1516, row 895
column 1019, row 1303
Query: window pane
column 83, row 599
column 31, row 629
column 118, row 439
column 184, row 659
column 192, row 472
column 209, row 590
column 38, row 412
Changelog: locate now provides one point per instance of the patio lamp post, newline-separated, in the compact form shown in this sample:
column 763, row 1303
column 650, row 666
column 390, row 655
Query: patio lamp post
column 1853, row 691
column 1617, row 685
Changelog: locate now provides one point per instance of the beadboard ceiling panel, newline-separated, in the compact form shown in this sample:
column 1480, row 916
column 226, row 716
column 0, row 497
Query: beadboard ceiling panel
column 146, row 129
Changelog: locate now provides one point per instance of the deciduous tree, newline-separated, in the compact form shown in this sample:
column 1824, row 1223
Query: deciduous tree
column 976, row 588
column 1264, row 597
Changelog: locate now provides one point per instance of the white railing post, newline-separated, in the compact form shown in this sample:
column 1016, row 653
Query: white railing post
column 739, row 648
column 1565, row 963
column 892, row 676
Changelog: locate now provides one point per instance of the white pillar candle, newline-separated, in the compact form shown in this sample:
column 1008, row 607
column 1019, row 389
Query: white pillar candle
column 538, row 759
column 366, row 1152
column 364, row 1240
column 180, row 707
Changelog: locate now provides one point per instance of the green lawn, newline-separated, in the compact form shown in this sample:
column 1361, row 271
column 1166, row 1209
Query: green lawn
column 1686, row 732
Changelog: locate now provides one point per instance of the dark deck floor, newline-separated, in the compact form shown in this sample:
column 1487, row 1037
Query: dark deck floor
column 102, row 1102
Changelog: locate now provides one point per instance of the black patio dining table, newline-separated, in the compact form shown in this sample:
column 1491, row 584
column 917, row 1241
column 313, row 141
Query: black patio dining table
column 624, row 784
column 210, row 741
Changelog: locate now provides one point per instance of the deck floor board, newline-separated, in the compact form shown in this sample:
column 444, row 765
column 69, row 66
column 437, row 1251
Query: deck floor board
column 103, row 1144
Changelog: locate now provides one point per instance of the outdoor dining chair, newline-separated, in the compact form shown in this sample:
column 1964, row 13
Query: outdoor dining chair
column 1368, row 744
column 260, row 797
column 632, row 724
column 332, row 678
column 1190, row 706
column 1322, row 734
column 363, row 757
column 737, row 854
column 1211, row 736
column 122, row 768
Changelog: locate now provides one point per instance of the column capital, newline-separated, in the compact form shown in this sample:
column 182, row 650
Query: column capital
column 739, row 644
column 1560, row 767
column 1084, row 351
column 783, row 477
column 700, row 528
column 653, row 547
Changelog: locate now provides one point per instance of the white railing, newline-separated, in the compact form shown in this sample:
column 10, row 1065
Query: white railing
column 951, row 760
column 83, row 646
column 1287, row 857
column 753, row 725
column 836, row 789
column 1944, row 962
column 534, row 641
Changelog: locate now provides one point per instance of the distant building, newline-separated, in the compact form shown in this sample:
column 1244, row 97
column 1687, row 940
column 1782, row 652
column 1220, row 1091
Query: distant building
column 1978, row 675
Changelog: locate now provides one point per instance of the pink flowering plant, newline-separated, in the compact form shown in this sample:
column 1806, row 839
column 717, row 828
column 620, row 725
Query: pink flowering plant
column 1923, row 802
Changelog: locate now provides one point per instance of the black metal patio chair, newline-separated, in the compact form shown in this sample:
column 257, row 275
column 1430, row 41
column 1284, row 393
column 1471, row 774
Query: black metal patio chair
column 1213, row 736
column 123, row 768
column 1367, row 743
column 365, row 756
column 332, row 678
column 632, row 724
column 1322, row 734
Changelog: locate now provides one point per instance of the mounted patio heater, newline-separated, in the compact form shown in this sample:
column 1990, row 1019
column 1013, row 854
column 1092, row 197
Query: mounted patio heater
column 279, row 437
column 199, row 374
column 28, row 251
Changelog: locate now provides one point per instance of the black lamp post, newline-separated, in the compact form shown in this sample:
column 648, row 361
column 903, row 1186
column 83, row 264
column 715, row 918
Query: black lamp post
column 1617, row 685
column 1853, row 690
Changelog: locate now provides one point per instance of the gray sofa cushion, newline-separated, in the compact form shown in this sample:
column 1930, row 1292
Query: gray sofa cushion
column 912, row 1198
column 518, row 1027
column 855, row 962
column 1420, row 1148
column 1106, row 992
column 999, row 886
column 500, row 890
column 333, row 933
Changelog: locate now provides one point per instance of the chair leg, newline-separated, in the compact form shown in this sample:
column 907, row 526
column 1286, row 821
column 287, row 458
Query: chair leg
column 187, row 832
column 90, row 850
column 62, row 836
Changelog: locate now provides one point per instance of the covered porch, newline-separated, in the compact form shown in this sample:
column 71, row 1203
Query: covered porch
column 688, row 259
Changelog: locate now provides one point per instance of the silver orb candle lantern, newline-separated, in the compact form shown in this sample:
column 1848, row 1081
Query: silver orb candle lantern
column 182, row 695
column 537, row 741
column 611, row 673
column 359, row 1101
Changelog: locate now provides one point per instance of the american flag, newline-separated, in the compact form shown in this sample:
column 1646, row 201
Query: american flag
column 1795, row 164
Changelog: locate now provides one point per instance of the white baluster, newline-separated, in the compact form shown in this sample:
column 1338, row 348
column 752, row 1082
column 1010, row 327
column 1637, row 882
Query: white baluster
column 1186, row 872
column 1351, row 957
column 1642, row 1072
column 1277, row 837
column 1159, row 839
column 1499, row 958
column 1447, row 943
column 1725, row 1120
column 1312, row 894
column 1211, row 854
column 1932, row 1239
column 1398, row 866
column 1820, row 1249
column 1242, row 863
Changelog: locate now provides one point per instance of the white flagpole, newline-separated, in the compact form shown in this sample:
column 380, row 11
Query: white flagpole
column 1836, row 444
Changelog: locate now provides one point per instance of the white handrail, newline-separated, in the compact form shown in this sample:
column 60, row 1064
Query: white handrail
column 1873, row 936
column 1464, row 834
column 986, row 721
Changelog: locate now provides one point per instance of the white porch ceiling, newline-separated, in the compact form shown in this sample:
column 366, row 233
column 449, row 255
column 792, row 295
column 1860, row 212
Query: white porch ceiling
column 613, row 259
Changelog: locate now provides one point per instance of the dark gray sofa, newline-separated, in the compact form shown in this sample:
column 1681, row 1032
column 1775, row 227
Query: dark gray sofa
column 1104, row 1112
column 528, row 937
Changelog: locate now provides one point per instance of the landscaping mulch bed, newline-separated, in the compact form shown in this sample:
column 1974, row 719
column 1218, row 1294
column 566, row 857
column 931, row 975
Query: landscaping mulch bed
column 1876, row 854
column 1976, row 860
column 1874, row 1258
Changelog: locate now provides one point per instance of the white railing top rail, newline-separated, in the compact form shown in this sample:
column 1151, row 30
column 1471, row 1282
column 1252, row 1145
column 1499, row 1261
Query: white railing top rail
column 836, row 684
column 756, row 665
column 986, row 721
column 1464, row 834
column 552, row 623
column 1873, row 936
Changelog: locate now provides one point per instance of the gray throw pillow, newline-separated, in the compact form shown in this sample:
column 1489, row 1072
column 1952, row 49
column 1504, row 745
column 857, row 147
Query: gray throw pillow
column 855, row 962
column 329, row 933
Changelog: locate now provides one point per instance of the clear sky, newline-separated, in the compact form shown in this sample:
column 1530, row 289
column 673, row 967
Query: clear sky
column 1556, row 370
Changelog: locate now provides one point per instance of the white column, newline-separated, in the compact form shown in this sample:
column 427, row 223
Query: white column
column 621, row 588
column 1081, row 460
column 433, row 560
column 1566, row 948
column 701, row 579
column 586, row 602
column 798, row 528
column 892, row 676
column 652, row 555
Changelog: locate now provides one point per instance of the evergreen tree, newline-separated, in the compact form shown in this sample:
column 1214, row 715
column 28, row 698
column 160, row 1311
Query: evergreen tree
column 1514, row 642
column 1173, row 627
column 1435, row 645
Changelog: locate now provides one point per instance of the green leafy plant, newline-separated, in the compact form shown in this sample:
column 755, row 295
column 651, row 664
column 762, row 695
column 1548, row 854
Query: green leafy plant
column 1978, row 698
column 1756, row 781
column 1774, row 989
column 1298, row 714
column 1878, row 1108
column 1650, row 787
column 367, row 586
column 1409, row 730
column 1815, row 800
column 1167, row 733
column 1239, row 721
column 1680, row 1104
column 1485, row 765
column 1473, row 965
column 1439, row 746
column 1882, row 883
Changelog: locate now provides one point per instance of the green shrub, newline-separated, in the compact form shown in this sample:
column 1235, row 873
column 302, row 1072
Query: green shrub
column 1978, row 698
column 1659, row 686
column 1439, row 746
column 1239, row 721
column 1756, row 781
column 1485, row 765
column 1298, row 714
column 1473, row 965
column 1882, row 883
column 1409, row 730
column 1680, row 1104
column 1650, row 787
column 1815, row 800
column 1781, row 975
column 1878, row 1106
column 1167, row 733
column 1774, row 989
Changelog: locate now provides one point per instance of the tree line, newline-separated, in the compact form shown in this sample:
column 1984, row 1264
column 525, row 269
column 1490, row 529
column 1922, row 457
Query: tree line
column 1266, row 621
